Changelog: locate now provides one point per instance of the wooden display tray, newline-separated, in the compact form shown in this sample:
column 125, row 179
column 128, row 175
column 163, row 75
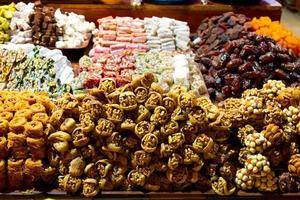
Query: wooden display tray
column 210, row 195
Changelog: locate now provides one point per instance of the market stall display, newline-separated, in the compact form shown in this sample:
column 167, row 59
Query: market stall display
column 246, row 63
column 21, row 32
column 265, row 26
column 6, row 13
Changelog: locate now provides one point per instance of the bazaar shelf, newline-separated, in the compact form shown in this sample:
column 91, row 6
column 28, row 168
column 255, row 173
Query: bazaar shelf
column 192, row 13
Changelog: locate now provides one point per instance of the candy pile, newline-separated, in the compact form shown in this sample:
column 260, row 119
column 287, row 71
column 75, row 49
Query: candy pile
column 171, row 68
column 75, row 29
column 246, row 63
column 43, row 24
column 35, row 69
column 117, row 34
column 215, row 31
column 21, row 32
column 167, row 34
column 23, row 123
column 265, row 26
column 6, row 13
column 117, row 66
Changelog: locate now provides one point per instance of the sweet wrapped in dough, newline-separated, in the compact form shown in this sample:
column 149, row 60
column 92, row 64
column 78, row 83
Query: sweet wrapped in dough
column 68, row 125
column 15, row 174
column 6, row 115
column 103, row 167
column 159, row 116
column 143, row 114
column 17, row 124
column 36, row 147
column 57, row 118
column 3, row 148
column 114, row 113
column 70, row 184
column 3, row 171
column 136, row 178
column 60, row 141
column 41, row 117
column 141, row 94
column 149, row 142
column 38, row 108
column 4, row 127
column 128, row 101
column 114, row 142
column 22, row 104
column 16, row 143
column 90, row 187
column 34, row 129
column 33, row 170
column 80, row 137
column 178, row 175
column 107, row 85
column 142, row 128
column 154, row 100
column 86, row 121
column 76, row 167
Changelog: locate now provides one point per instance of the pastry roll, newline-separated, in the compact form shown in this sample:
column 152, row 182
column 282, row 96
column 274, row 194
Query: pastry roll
column 17, row 124
column 17, row 144
column 36, row 147
column 5, row 115
column 33, row 170
column 34, row 129
column 41, row 117
column 15, row 174
column 3, row 147
column 4, row 127
column 27, row 113
column 2, row 175
column 38, row 108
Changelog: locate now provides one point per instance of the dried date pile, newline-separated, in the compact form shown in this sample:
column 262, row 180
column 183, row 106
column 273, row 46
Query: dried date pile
column 216, row 31
column 246, row 63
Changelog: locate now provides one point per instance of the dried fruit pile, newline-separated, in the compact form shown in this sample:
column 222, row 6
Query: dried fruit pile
column 265, row 26
column 215, row 31
column 246, row 63
column 23, row 124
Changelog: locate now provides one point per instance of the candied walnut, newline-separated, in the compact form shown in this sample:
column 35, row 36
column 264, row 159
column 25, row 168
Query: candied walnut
column 257, row 165
column 128, row 101
column 222, row 187
column 80, row 137
column 176, row 140
column 142, row 128
column 294, row 165
column 273, row 133
column 114, row 113
column 136, row 178
column 174, row 161
column 114, row 142
column 141, row 158
column 268, row 183
column 149, row 142
column 159, row 116
column 176, row 90
column 76, row 167
column 201, row 142
column 178, row 175
column 286, row 182
column 107, row 85
column 60, row 140
column 104, row 128
column 197, row 116
column 212, row 111
column 252, row 108
column 243, row 179
column 71, row 184
column 166, row 150
column 68, row 125
column 141, row 94
column 103, row 167
column 169, row 103
column 154, row 100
